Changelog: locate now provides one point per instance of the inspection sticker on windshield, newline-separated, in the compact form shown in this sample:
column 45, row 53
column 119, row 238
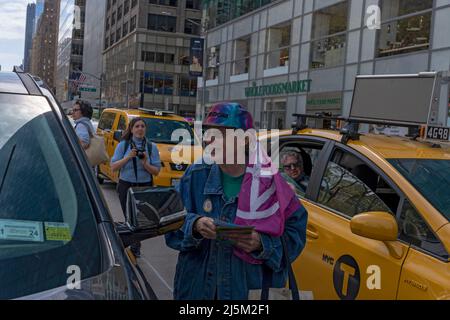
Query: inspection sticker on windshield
column 16, row 230
column 55, row 231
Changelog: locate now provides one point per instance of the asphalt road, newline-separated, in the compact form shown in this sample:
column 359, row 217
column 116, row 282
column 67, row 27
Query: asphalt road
column 157, row 260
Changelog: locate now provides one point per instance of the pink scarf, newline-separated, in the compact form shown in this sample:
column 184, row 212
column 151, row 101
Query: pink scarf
column 266, row 201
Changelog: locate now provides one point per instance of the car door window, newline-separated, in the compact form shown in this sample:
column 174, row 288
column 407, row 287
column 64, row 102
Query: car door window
column 47, row 221
column 415, row 230
column 349, row 186
column 297, row 161
column 122, row 124
column 107, row 121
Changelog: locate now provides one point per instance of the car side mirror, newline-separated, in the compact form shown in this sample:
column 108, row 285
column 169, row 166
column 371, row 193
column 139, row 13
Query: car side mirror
column 118, row 135
column 380, row 226
column 151, row 212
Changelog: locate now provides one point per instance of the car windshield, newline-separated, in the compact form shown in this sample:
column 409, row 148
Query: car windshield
column 430, row 177
column 47, row 222
column 160, row 131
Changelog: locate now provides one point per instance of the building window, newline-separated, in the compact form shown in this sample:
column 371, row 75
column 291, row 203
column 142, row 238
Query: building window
column 126, row 7
column 193, row 4
column 396, row 8
column 158, row 57
column 106, row 42
column 191, row 28
column 184, row 58
column 133, row 3
column 119, row 12
column 125, row 29
column 158, row 83
column 241, row 53
column 212, row 69
column 118, row 34
column 278, row 42
column 328, row 50
column 188, row 86
column 133, row 24
column 274, row 114
column 404, row 35
column 113, row 18
column 172, row 3
column 107, row 24
column 162, row 23
column 148, row 56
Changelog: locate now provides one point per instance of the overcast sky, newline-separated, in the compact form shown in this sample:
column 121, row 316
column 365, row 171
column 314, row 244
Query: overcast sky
column 12, row 32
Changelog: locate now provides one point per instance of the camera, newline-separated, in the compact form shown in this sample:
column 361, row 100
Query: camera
column 141, row 154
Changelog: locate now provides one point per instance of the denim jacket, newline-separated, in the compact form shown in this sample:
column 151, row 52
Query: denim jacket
column 208, row 269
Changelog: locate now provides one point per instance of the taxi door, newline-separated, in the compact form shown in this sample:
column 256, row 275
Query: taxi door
column 426, row 272
column 106, row 125
column 337, row 264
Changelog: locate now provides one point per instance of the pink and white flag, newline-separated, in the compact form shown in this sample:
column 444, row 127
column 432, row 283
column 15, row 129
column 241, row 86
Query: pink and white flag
column 266, row 200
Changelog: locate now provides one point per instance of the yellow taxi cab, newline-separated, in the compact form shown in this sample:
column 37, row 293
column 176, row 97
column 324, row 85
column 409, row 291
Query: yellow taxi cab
column 379, row 212
column 160, row 126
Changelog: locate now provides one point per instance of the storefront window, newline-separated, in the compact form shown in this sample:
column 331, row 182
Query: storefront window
column 241, row 61
column 274, row 115
column 328, row 52
column 188, row 86
column 158, row 83
column 404, row 35
column 328, row 48
column 330, row 20
column 278, row 42
column 396, row 8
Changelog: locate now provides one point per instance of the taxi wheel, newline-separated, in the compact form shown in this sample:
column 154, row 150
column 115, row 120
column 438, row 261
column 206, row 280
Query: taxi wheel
column 99, row 179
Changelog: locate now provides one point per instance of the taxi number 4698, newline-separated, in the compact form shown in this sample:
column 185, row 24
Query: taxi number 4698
column 438, row 133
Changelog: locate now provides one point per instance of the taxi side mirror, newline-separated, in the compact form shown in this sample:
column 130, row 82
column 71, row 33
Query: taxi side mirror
column 380, row 226
column 118, row 135
column 151, row 212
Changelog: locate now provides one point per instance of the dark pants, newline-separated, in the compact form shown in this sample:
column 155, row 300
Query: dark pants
column 122, row 189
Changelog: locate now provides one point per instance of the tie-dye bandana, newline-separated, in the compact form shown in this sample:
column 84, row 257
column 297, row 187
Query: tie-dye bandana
column 229, row 114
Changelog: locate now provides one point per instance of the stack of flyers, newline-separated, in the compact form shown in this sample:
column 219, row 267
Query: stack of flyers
column 223, row 229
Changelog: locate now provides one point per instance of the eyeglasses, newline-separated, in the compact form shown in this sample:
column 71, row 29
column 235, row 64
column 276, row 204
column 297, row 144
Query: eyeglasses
column 75, row 110
column 291, row 166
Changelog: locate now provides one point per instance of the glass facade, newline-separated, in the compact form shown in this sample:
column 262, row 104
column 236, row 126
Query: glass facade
column 407, row 27
column 70, row 48
column 325, row 42
column 222, row 11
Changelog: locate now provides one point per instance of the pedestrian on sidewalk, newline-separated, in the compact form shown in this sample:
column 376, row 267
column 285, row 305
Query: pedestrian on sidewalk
column 138, row 161
column 210, row 267
column 82, row 115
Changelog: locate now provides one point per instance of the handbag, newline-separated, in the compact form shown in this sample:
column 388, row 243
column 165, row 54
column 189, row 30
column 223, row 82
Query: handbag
column 96, row 152
column 268, row 293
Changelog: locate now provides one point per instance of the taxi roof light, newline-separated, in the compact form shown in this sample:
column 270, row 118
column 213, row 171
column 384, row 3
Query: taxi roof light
column 157, row 112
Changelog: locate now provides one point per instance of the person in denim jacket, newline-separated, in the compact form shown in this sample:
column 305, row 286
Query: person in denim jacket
column 207, row 269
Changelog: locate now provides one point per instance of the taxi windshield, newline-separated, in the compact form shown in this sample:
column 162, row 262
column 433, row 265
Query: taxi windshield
column 430, row 178
column 160, row 131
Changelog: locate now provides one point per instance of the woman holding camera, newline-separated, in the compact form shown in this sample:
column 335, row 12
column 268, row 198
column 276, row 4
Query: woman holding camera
column 137, row 160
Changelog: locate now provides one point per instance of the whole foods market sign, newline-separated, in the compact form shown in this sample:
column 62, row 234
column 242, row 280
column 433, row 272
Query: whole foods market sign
column 278, row 88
